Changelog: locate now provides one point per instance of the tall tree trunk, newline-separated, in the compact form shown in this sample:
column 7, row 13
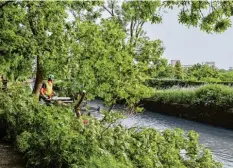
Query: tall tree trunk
column 77, row 106
column 39, row 77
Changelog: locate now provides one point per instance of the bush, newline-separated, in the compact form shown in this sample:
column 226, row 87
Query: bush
column 181, row 96
column 52, row 137
column 215, row 96
column 212, row 95
column 168, row 83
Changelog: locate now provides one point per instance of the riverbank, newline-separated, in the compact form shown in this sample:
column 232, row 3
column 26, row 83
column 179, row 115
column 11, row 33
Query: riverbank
column 210, row 104
column 50, row 136
column 203, row 114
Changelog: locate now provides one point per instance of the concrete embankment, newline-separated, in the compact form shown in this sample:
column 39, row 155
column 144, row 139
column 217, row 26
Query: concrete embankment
column 208, row 115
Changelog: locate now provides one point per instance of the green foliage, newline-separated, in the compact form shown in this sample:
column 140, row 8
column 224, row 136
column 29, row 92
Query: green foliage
column 52, row 137
column 192, row 82
column 167, row 71
column 168, row 83
column 210, row 16
column 110, row 58
column 181, row 96
column 105, row 161
column 203, row 73
column 226, row 76
column 178, row 70
column 213, row 95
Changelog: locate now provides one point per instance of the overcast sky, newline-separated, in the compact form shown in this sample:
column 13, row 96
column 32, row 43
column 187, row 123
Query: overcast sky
column 191, row 45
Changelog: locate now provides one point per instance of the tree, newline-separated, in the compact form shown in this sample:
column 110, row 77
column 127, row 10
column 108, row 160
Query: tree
column 166, row 72
column 132, row 15
column 202, row 72
column 226, row 76
column 178, row 70
column 209, row 16
column 36, row 31
column 40, row 32
column 103, row 65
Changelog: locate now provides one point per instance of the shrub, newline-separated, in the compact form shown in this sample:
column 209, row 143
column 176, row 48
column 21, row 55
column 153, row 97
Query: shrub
column 180, row 95
column 52, row 137
column 212, row 95
column 168, row 83
column 215, row 96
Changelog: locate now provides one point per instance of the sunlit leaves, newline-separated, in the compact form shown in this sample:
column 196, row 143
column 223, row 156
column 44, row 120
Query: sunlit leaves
column 210, row 16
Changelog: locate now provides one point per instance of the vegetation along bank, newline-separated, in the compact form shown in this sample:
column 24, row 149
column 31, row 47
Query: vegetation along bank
column 211, row 104
column 50, row 136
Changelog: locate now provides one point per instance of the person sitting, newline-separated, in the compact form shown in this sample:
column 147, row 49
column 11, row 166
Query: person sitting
column 46, row 91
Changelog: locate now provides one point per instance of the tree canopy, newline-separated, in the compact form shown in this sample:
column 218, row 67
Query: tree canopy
column 110, row 57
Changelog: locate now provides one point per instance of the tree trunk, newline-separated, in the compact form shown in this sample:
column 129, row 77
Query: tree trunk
column 77, row 106
column 39, row 77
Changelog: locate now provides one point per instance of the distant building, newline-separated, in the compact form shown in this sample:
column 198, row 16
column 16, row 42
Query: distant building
column 173, row 62
column 211, row 64
column 186, row 66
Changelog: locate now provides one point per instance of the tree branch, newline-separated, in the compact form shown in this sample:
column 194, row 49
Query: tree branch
column 112, row 8
column 108, row 11
column 200, row 10
column 31, row 22
column 131, row 31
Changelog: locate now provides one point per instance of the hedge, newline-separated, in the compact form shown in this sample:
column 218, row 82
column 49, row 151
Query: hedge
column 168, row 83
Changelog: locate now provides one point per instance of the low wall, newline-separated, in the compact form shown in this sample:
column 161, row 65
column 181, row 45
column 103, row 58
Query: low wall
column 208, row 115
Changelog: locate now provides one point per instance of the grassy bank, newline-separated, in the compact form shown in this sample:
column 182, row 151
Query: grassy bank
column 212, row 95
column 53, row 137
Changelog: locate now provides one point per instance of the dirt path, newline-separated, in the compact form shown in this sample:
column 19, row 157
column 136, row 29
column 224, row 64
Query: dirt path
column 9, row 158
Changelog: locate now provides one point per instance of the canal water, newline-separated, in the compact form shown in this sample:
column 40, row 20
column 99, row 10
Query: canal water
column 219, row 140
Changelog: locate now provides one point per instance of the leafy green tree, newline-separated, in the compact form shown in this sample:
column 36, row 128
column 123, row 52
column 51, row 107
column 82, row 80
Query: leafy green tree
column 209, row 16
column 36, row 32
column 103, row 65
column 166, row 72
column 226, row 76
column 202, row 73
column 39, row 33
column 178, row 70
column 132, row 15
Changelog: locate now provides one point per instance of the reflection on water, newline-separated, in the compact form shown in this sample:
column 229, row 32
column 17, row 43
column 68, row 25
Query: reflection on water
column 219, row 140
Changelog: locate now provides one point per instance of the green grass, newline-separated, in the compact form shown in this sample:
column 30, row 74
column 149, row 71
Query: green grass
column 207, row 95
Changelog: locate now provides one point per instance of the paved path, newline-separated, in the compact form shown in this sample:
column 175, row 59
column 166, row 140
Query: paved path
column 9, row 158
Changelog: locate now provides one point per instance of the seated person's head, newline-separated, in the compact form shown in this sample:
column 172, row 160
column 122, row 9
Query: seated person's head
column 50, row 78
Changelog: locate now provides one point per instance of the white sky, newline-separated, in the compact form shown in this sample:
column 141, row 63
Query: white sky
column 192, row 45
